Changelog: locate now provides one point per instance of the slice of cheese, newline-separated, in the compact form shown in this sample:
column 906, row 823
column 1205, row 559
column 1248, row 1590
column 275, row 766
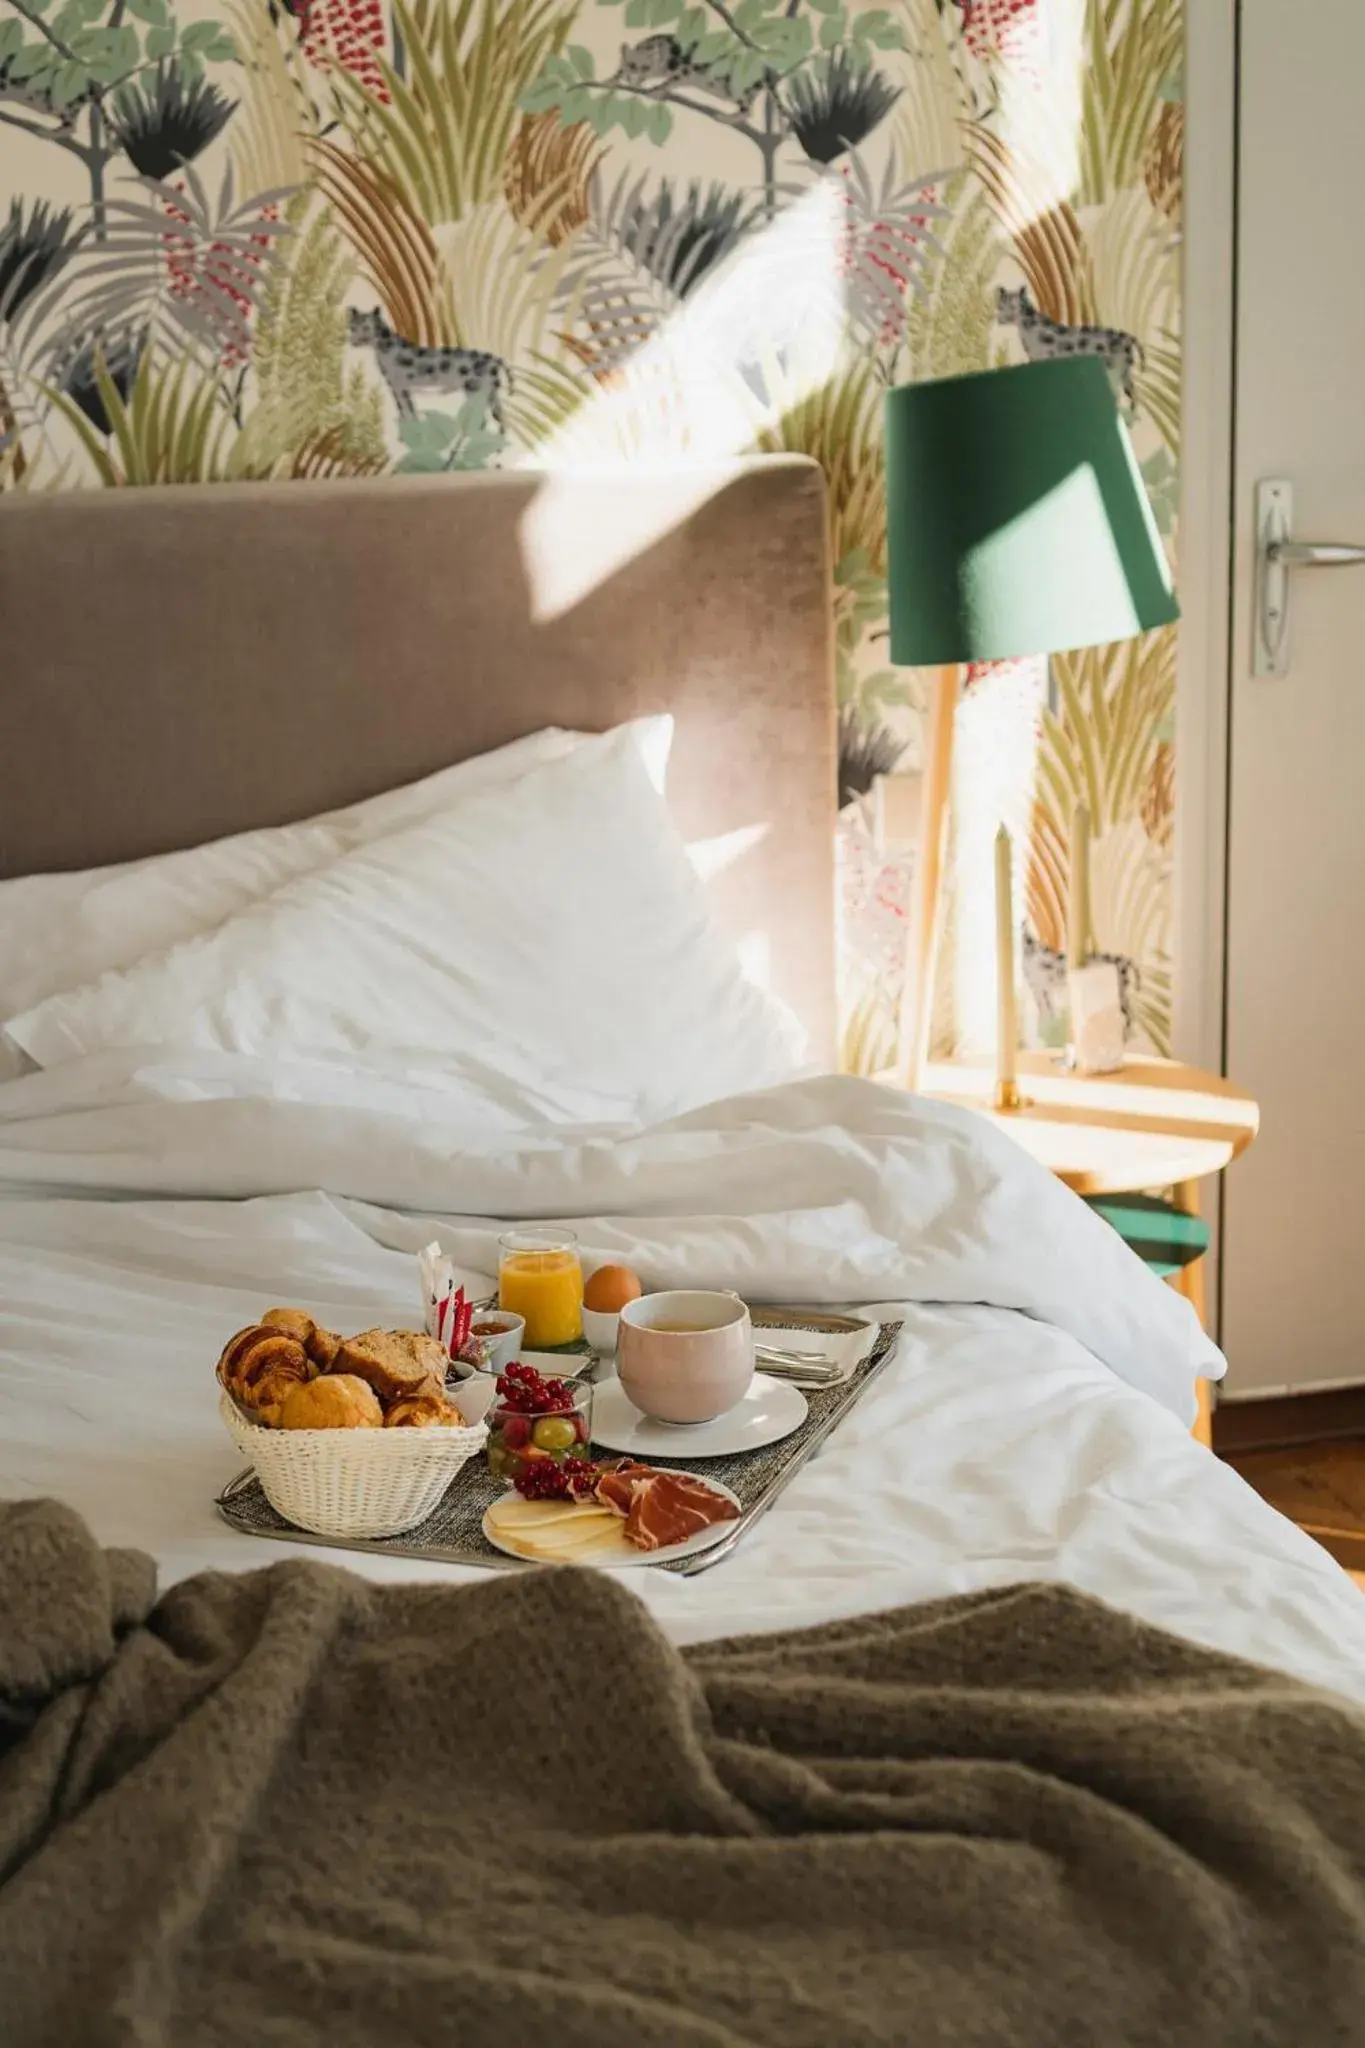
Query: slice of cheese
column 515, row 1513
column 554, row 1535
column 606, row 1543
column 566, row 1542
column 560, row 1539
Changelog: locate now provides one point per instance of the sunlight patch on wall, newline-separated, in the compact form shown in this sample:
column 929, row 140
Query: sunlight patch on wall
column 752, row 341
column 1042, row 115
column 712, row 857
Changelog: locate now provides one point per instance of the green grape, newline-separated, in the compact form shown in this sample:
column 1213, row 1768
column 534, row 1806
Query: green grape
column 554, row 1433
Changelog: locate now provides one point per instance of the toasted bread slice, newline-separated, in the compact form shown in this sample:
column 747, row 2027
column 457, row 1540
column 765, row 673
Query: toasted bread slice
column 394, row 1362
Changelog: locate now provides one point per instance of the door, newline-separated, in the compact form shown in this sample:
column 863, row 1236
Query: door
column 1294, row 1208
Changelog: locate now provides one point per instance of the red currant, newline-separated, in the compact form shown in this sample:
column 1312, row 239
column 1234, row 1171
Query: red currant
column 547, row 1479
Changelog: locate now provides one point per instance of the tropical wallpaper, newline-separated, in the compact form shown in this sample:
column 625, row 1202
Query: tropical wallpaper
column 329, row 238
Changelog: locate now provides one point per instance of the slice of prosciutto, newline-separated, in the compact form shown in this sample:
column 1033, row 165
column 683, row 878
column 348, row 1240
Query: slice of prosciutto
column 616, row 1485
column 660, row 1508
column 668, row 1507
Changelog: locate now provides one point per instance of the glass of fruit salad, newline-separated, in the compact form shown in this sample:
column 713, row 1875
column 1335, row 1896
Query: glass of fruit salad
column 533, row 1418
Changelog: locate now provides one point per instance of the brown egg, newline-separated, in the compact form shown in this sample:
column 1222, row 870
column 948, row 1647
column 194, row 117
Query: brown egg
column 609, row 1289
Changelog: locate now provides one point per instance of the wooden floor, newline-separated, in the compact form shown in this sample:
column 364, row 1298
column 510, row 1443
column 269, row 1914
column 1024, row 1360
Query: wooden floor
column 1319, row 1486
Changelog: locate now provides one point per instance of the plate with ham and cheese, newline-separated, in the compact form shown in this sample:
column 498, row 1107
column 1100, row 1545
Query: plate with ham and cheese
column 614, row 1515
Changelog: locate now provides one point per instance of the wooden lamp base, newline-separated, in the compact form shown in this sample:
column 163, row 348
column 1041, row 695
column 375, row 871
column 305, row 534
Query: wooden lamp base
column 917, row 995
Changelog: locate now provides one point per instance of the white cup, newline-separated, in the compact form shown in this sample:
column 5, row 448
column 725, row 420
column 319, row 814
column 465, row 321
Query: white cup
column 600, row 1327
column 505, row 1349
column 685, row 1355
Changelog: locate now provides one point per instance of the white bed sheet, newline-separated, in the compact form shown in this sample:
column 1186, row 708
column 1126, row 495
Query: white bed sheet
column 1027, row 1427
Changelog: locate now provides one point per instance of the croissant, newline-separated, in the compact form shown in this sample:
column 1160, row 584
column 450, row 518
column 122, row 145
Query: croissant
column 335, row 1401
column 394, row 1362
column 321, row 1345
column 420, row 1411
column 259, row 1366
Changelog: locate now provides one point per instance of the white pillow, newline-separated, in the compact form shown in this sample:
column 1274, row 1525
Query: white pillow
column 60, row 931
column 57, row 931
column 553, row 929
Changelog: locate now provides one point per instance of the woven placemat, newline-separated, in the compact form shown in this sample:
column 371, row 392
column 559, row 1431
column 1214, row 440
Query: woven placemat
column 453, row 1534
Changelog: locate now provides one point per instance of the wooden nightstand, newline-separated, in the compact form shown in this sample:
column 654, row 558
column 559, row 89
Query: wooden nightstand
column 1154, row 1124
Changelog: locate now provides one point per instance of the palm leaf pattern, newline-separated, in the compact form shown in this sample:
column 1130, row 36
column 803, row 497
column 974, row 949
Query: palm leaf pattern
column 1049, row 246
column 1131, row 53
column 889, row 239
column 443, row 135
column 744, row 252
column 394, row 246
column 315, row 414
column 839, row 426
column 678, row 235
column 615, row 304
column 168, row 428
column 184, row 262
column 644, row 248
column 838, row 106
column 548, row 158
column 507, row 285
column 278, row 114
column 1101, row 744
column 949, row 326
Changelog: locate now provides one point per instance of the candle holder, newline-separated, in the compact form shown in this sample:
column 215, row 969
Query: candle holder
column 1006, row 1016
column 1096, row 1034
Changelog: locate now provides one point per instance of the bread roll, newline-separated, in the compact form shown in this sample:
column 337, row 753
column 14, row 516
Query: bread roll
column 334, row 1401
column 394, row 1362
column 420, row 1411
column 321, row 1345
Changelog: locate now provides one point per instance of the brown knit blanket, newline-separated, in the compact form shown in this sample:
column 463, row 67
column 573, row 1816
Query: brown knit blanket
column 293, row 1807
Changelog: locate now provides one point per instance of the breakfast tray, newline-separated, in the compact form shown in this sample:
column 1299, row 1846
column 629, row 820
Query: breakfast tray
column 453, row 1534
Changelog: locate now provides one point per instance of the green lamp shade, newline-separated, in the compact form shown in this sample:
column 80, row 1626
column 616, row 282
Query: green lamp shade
column 1016, row 519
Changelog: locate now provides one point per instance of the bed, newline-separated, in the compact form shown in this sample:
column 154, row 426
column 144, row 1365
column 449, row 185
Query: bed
column 183, row 665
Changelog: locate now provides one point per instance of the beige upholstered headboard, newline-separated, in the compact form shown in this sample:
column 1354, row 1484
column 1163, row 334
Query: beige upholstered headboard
column 179, row 663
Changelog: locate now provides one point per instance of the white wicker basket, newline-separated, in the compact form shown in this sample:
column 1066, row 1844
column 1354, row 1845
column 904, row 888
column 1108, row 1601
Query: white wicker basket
column 352, row 1482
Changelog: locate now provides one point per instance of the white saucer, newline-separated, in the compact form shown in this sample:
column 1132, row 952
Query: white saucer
column 770, row 1410
column 705, row 1539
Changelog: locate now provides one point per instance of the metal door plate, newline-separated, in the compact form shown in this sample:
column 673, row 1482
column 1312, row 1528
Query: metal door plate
column 1270, row 627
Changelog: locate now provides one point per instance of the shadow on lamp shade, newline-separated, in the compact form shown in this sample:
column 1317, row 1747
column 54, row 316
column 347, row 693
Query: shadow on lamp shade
column 1016, row 518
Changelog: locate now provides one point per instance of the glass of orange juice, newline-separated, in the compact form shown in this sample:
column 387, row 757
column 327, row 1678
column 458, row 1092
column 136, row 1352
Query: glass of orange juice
column 540, row 1277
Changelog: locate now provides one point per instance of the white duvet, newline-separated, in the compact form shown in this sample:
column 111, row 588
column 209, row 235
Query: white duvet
column 1034, row 1422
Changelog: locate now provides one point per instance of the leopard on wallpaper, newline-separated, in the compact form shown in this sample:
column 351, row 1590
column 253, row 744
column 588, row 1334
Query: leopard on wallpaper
column 326, row 238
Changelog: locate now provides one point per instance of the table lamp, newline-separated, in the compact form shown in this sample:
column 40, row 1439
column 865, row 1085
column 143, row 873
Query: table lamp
column 1016, row 524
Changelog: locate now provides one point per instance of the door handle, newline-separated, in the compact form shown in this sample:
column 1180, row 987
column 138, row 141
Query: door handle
column 1314, row 554
column 1276, row 555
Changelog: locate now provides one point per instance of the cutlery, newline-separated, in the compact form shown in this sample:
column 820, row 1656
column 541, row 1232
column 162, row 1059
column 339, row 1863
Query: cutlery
column 801, row 1375
column 787, row 1357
